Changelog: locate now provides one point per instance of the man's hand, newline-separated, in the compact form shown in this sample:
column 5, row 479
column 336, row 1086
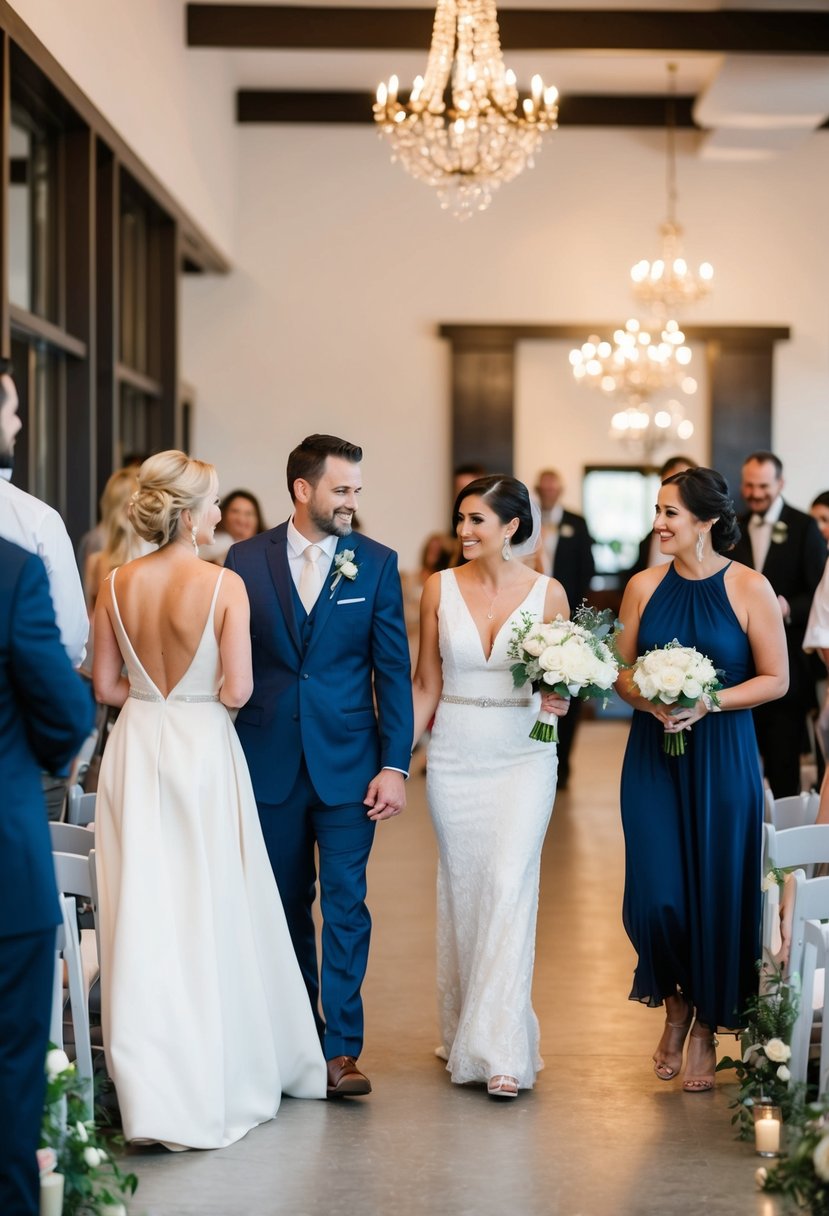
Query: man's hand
column 785, row 608
column 386, row 795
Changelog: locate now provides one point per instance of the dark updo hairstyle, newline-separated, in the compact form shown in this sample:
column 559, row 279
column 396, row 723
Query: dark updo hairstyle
column 705, row 493
column 507, row 497
column 822, row 499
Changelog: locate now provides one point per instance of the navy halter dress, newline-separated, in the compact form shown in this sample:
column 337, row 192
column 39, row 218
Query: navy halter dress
column 693, row 823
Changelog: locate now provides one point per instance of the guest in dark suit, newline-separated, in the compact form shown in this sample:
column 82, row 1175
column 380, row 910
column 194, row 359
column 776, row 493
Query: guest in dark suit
column 786, row 546
column 566, row 554
column 46, row 712
column 650, row 552
column 328, row 639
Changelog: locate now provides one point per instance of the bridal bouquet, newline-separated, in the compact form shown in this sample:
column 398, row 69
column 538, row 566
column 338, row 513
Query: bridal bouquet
column 676, row 675
column 571, row 658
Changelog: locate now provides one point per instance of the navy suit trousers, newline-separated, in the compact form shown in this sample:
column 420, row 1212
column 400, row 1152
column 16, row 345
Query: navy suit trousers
column 343, row 835
column 27, row 968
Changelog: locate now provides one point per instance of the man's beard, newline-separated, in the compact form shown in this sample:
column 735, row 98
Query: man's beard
column 334, row 524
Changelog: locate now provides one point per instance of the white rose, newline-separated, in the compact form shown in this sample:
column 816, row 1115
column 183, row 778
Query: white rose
column 691, row 687
column 777, row 1051
column 646, row 685
column 81, row 1133
column 348, row 570
column 760, row 1176
column 783, row 1073
column 534, row 644
column 92, row 1157
column 705, row 672
column 820, row 1158
column 576, row 661
column 769, row 882
column 652, row 662
column 550, row 659
column 678, row 658
column 670, row 684
column 57, row 1061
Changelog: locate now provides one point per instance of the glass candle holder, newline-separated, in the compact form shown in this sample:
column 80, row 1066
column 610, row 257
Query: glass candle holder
column 768, row 1128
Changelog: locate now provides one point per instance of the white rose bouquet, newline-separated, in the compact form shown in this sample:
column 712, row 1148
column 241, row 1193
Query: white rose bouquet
column 571, row 658
column 676, row 675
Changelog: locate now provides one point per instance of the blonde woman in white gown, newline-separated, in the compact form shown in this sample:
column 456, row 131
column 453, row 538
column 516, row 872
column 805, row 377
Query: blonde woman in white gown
column 205, row 1016
column 490, row 787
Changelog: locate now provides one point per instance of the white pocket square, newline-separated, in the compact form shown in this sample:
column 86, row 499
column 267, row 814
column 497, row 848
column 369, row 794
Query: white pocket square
column 360, row 599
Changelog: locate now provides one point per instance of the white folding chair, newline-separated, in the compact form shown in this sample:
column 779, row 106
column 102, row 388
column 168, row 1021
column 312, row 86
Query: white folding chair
column 79, row 952
column 802, row 847
column 810, row 904
column 796, row 811
column 80, row 807
column 69, row 838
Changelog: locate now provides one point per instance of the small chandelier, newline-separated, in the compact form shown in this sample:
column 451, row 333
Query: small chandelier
column 462, row 129
column 637, row 363
column 647, row 427
column 669, row 282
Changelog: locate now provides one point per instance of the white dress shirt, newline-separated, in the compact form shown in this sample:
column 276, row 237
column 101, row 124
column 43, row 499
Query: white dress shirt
column 35, row 526
column 297, row 544
column 816, row 636
column 550, row 524
column 760, row 530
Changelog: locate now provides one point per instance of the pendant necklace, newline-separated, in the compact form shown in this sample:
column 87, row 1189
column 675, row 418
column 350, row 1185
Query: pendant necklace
column 491, row 614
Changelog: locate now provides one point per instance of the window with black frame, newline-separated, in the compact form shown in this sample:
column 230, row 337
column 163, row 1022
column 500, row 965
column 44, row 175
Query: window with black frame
column 139, row 373
column 618, row 504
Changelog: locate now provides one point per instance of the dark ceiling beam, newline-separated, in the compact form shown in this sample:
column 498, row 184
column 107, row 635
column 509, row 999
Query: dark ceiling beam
column 295, row 27
column 284, row 106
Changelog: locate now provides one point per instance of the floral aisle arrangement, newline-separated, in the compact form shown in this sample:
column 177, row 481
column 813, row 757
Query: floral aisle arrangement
column 93, row 1184
column 762, row 1070
column 803, row 1174
column 676, row 675
column 572, row 658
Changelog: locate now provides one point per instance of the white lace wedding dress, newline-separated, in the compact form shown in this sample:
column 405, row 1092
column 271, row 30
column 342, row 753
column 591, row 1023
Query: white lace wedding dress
column 206, row 1019
column 490, row 789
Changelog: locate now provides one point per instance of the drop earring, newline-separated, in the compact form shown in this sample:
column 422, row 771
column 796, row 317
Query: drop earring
column 506, row 551
column 194, row 533
column 700, row 545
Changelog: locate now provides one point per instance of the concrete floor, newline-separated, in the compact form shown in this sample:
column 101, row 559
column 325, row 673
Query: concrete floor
column 599, row 1135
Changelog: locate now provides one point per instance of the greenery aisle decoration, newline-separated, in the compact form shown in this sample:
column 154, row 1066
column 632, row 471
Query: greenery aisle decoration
column 72, row 1146
column 763, row 1070
column 803, row 1174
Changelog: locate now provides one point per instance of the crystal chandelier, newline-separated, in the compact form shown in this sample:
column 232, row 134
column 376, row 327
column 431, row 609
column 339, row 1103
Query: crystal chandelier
column 462, row 129
column 640, row 368
column 669, row 282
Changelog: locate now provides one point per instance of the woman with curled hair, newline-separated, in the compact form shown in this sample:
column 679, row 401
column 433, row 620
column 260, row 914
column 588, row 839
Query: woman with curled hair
column 490, row 786
column 693, row 822
column 196, row 961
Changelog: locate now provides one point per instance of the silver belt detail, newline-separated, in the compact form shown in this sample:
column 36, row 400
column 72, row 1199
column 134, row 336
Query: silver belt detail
column 138, row 695
column 488, row 702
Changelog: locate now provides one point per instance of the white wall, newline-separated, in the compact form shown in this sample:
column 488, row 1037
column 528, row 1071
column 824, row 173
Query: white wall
column 174, row 107
column 345, row 267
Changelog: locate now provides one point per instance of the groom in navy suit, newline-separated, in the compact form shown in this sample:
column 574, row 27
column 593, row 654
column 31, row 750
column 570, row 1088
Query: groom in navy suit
column 328, row 730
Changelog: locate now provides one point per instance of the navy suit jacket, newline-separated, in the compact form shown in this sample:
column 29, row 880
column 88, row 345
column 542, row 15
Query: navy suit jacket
column 318, row 701
column 46, row 712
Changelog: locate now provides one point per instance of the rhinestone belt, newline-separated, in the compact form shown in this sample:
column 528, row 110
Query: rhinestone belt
column 488, row 702
column 138, row 695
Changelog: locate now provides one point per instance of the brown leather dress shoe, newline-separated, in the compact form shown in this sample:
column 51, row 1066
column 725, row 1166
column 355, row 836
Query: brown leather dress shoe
column 345, row 1078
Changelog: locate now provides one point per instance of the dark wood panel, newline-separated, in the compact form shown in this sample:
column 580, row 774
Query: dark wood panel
column 5, row 126
column 32, row 326
column 79, row 303
column 575, row 110
column 482, row 407
column 108, row 211
column 470, row 334
column 304, row 27
column 740, row 380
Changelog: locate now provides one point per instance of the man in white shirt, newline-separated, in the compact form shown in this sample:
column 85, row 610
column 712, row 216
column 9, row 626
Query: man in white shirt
column 37, row 527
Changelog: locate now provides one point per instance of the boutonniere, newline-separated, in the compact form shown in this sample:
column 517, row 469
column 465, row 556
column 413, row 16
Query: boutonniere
column 345, row 567
column 779, row 532
column 567, row 530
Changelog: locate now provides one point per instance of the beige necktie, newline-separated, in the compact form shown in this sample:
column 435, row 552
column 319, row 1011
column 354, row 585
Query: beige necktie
column 309, row 579
column 760, row 535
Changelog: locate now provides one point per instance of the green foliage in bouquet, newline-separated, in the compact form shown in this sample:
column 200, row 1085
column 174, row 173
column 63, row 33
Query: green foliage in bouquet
column 93, row 1182
column 762, row 1071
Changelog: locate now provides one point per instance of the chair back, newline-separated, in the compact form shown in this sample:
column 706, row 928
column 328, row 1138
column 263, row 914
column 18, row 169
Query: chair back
column 797, row 811
column 805, row 846
column 80, row 807
column 68, row 838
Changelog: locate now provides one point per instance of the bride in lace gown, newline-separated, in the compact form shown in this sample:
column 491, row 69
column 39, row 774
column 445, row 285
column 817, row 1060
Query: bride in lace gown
column 490, row 787
column 205, row 1016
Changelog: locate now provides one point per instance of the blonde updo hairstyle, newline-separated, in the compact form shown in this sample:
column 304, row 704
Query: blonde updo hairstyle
column 169, row 483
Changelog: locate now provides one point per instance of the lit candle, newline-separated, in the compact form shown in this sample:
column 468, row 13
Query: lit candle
column 51, row 1195
column 767, row 1136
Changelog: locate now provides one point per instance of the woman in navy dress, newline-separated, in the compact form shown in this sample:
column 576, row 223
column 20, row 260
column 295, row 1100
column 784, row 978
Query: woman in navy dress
column 692, row 823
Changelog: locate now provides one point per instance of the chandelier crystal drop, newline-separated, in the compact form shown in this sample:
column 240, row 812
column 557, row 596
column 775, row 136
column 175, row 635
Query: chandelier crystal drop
column 464, row 128
column 668, row 282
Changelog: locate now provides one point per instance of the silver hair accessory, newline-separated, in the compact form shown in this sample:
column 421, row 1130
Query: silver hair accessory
column 700, row 545
column 526, row 547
